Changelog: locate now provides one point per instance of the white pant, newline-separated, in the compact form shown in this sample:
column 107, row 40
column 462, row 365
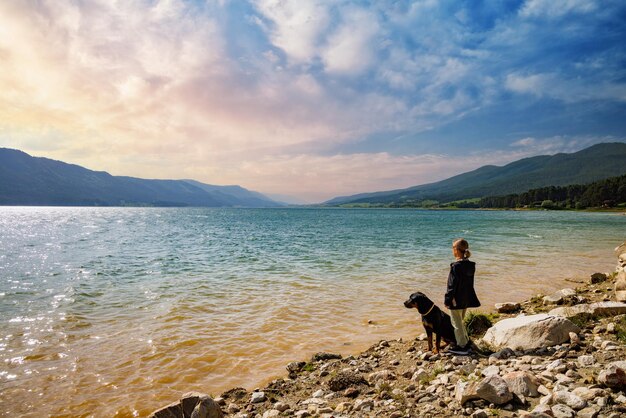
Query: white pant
column 460, row 333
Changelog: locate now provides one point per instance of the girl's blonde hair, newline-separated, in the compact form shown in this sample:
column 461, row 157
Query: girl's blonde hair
column 463, row 246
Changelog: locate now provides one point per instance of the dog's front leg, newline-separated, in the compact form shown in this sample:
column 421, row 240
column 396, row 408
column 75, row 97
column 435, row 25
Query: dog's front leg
column 429, row 338
column 437, row 344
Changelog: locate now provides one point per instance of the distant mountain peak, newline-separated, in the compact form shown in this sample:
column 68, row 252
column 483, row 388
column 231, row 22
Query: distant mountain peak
column 27, row 180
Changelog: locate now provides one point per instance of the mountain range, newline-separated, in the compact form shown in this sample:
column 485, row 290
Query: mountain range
column 27, row 180
column 590, row 164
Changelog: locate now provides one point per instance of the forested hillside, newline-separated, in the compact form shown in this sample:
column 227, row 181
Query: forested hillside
column 591, row 164
column 604, row 193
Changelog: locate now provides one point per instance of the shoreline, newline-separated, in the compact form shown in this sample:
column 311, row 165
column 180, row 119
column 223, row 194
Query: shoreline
column 354, row 349
column 397, row 378
column 620, row 210
column 416, row 328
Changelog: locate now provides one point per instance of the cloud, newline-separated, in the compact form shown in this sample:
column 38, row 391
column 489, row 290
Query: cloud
column 296, row 26
column 559, row 143
column 561, row 87
column 351, row 49
column 552, row 8
column 177, row 89
column 533, row 84
column 524, row 142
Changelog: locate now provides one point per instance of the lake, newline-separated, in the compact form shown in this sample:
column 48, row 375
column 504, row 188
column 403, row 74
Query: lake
column 118, row 311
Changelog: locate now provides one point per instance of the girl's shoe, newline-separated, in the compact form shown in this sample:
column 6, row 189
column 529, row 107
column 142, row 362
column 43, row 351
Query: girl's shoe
column 460, row 351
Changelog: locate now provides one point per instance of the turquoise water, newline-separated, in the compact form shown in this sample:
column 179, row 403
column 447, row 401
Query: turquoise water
column 119, row 310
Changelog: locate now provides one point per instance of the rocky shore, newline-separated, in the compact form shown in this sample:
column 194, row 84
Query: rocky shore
column 561, row 355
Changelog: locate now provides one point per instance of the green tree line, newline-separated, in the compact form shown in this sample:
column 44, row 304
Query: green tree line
column 604, row 193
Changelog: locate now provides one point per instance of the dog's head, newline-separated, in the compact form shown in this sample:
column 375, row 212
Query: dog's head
column 419, row 301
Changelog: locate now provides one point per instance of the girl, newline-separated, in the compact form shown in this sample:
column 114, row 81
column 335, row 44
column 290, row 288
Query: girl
column 460, row 294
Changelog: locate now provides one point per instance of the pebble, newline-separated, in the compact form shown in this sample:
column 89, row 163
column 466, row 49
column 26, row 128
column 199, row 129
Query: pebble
column 351, row 393
column 547, row 375
column 314, row 401
column 363, row 405
column 544, row 390
column 480, row 413
column 281, row 406
column 381, row 375
column 467, row 369
column 589, row 412
column 586, row 393
column 542, row 409
column 563, row 379
column 569, row 399
column 491, row 371
column 507, row 307
column 562, row 411
column 343, row 407
column 258, row 397
column 557, row 366
column 586, row 361
column 607, row 344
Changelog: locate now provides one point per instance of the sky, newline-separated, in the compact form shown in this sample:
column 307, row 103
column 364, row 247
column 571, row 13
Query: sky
column 306, row 98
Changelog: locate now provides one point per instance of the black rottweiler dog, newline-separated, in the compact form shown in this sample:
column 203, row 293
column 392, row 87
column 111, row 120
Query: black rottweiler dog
column 434, row 320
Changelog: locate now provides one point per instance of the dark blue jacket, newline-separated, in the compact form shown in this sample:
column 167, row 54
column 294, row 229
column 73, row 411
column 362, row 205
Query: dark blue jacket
column 460, row 293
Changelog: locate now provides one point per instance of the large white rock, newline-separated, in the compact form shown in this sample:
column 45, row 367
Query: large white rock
column 597, row 309
column 529, row 332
